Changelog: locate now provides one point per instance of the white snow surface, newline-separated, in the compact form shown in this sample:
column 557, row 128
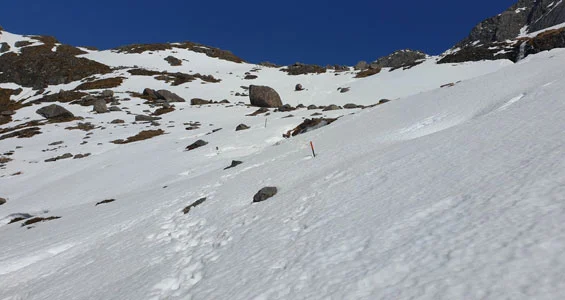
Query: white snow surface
column 442, row 193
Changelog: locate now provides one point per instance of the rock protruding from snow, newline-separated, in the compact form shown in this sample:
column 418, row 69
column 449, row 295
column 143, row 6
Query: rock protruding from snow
column 360, row 66
column 168, row 96
column 3, row 201
column 54, row 111
column 196, row 144
column 265, row 193
column 241, row 127
column 187, row 209
column 100, row 106
column 399, row 59
column 264, row 96
column 234, row 163
column 299, row 87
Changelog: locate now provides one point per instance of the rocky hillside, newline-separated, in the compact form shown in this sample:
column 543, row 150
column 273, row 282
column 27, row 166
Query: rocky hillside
column 514, row 34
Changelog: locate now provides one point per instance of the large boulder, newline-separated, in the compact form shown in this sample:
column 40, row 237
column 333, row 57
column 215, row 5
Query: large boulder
column 265, row 193
column 264, row 96
column 100, row 106
column 54, row 111
column 169, row 96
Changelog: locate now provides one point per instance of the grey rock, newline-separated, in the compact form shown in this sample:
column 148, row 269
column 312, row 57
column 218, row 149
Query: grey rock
column 150, row 93
column 298, row 87
column 265, row 193
column 264, row 96
column 360, row 66
column 344, row 90
column 114, row 108
column 331, row 107
column 350, row 106
column 54, row 111
column 108, row 94
column 198, row 101
column 286, row 107
column 144, row 118
column 311, row 107
column 100, row 106
column 241, row 127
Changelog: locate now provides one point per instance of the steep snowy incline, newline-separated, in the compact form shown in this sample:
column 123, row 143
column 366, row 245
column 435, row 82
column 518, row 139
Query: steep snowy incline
column 454, row 193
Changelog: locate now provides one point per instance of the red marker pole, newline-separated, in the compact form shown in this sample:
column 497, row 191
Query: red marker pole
column 312, row 146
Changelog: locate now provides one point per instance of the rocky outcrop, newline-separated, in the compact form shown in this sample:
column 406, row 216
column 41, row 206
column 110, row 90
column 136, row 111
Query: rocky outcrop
column 264, row 194
column 264, row 96
column 173, row 61
column 499, row 37
column 39, row 66
column 100, row 106
column 399, row 59
column 168, row 96
column 300, row 69
column 195, row 47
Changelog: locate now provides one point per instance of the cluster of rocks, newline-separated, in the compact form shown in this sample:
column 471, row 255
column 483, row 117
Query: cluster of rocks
column 198, row 101
column 300, row 69
column 308, row 125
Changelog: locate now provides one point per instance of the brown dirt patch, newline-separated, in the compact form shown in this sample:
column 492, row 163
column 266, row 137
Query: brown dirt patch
column 144, row 135
column 368, row 72
column 107, row 83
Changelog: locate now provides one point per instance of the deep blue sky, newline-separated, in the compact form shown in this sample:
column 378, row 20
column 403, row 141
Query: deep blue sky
column 284, row 32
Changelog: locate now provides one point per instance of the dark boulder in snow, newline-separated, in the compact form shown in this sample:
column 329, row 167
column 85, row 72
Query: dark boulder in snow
column 108, row 94
column 299, row 87
column 265, row 193
column 198, row 101
column 196, row 144
column 54, row 111
column 143, row 118
column 264, row 96
column 3, row 201
column 241, row 127
column 173, row 61
column 193, row 205
column 234, row 163
column 169, row 96
column 331, row 107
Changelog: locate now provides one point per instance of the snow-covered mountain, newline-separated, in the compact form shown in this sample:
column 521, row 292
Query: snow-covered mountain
column 430, row 181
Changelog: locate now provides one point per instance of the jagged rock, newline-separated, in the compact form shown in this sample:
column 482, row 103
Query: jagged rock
column 234, row 163
column 264, row 96
column 169, row 96
column 187, row 209
column 399, row 59
column 173, row 61
column 269, row 64
column 308, row 125
column 198, row 101
column 241, row 127
column 54, row 111
column 264, row 194
column 3, row 201
column 344, row 90
column 298, row 87
column 196, row 144
column 360, row 66
column 100, row 106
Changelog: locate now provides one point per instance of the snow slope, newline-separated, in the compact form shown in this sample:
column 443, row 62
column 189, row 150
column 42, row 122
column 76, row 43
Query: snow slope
column 442, row 193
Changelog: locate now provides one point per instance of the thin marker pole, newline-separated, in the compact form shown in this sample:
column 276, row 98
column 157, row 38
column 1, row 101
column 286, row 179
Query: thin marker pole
column 265, row 122
column 312, row 146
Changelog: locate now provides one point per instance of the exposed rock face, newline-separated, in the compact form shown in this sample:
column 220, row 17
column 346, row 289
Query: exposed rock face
column 195, row 47
column 497, row 37
column 54, row 111
column 39, row 66
column 4, row 47
column 399, row 59
column 362, row 65
column 264, row 96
